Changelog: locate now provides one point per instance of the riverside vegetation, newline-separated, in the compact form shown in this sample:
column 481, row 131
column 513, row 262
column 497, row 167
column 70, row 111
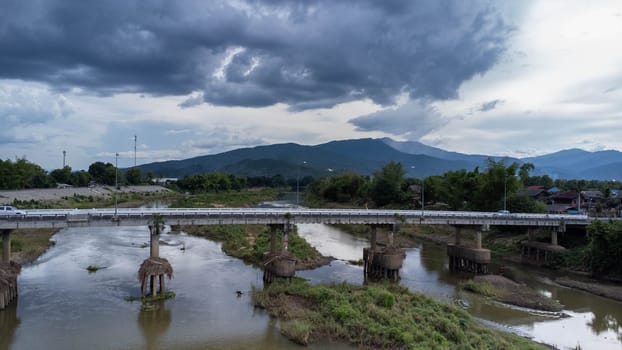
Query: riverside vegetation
column 377, row 316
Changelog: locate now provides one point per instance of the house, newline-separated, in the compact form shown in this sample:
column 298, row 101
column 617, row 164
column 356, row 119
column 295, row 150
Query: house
column 590, row 198
column 553, row 190
column 538, row 193
column 563, row 202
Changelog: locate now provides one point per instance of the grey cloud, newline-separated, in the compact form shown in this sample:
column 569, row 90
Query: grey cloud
column 412, row 120
column 192, row 101
column 490, row 105
column 23, row 105
column 308, row 54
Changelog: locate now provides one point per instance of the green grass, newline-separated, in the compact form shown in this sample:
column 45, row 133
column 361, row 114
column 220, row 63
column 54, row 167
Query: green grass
column 377, row 316
column 31, row 243
column 482, row 288
column 94, row 268
column 250, row 242
column 226, row 199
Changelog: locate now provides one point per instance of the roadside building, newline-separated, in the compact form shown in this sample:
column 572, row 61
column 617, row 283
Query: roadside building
column 563, row 202
column 538, row 193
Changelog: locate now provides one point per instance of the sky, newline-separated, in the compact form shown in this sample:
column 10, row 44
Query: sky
column 188, row 78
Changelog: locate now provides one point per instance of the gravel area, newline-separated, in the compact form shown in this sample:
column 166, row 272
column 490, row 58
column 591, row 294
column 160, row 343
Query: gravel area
column 50, row 194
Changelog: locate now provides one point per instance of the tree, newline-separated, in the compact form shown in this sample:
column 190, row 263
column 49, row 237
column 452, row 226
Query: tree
column 605, row 248
column 524, row 171
column 134, row 176
column 21, row 174
column 496, row 183
column 61, row 176
column 387, row 185
column 80, row 178
column 104, row 173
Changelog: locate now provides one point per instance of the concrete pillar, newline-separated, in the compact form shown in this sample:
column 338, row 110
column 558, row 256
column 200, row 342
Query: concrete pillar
column 6, row 246
column 554, row 237
column 479, row 234
column 374, row 238
column 396, row 228
column 285, row 236
column 273, row 229
column 153, row 287
column 458, row 234
column 155, row 231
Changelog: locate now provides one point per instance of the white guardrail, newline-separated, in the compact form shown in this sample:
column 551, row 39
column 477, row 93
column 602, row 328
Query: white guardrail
column 200, row 216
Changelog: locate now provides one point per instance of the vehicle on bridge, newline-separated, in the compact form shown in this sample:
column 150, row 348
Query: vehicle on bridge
column 10, row 210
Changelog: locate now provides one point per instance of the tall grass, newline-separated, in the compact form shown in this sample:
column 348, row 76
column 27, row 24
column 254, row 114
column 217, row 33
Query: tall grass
column 378, row 316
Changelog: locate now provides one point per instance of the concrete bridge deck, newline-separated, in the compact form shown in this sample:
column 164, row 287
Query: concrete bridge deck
column 60, row 218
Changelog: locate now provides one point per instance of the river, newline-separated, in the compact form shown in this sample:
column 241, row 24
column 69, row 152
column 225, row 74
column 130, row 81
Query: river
column 62, row 306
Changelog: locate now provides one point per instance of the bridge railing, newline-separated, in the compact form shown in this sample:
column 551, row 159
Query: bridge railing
column 40, row 218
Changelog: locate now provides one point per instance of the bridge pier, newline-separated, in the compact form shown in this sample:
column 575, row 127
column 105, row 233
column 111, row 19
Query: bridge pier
column 154, row 235
column 6, row 246
column 541, row 253
column 154, row 268
column 385, row 262
column 474, row 260
column 279, row 262
column 8, row 272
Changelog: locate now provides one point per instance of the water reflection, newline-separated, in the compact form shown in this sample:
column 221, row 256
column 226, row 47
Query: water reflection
column 8, row 325
column 154, row 323
column 68, row 308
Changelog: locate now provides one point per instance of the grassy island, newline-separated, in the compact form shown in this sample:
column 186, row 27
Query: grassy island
column 250, row 242
column 384, row 316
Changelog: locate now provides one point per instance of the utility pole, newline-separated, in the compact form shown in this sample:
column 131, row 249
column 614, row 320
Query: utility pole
column 64, row 154
column 423, row 196
column 135, row 138
column 116, row 181
column 505, row 191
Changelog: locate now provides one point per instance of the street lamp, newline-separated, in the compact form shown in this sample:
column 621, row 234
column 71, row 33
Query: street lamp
column 298, row 184
column 116, row 181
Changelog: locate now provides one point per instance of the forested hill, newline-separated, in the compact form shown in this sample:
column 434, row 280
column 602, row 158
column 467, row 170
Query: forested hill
column 365, row 156
column 362, row 156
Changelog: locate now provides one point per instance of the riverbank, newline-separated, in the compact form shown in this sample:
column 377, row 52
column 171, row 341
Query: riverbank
column 506, row 291
column 28, row 244
column 377, row 316
column 85, row 198
column 70, row 197
column 598, row 288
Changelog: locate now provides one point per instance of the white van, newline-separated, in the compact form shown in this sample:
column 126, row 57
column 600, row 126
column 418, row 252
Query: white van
column 10, row 210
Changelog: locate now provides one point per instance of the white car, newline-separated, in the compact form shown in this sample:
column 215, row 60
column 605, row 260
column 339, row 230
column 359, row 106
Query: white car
column 10, row 210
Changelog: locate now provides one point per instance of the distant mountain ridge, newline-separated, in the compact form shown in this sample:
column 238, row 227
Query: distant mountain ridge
column 366, row 156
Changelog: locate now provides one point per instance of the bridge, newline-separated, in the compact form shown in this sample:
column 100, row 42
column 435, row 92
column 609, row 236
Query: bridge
column 61, row 218
column 379, row 261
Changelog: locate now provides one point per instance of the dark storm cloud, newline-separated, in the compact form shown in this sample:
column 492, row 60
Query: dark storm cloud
column 412, row 120
column 308, row 54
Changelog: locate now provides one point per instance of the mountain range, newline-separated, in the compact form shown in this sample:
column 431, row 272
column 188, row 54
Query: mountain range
column 366, row 156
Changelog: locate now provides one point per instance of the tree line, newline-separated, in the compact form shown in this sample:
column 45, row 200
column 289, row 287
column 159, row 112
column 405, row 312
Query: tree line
column 22, row 174
column 493, row 188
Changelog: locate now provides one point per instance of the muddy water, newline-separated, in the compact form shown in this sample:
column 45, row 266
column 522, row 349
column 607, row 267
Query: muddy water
column 62, row 306
column 589, row 321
